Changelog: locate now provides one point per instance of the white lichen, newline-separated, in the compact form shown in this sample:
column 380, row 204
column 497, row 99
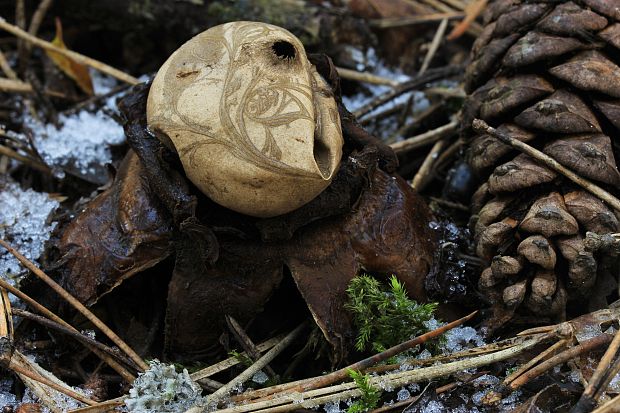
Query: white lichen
column 161, row 389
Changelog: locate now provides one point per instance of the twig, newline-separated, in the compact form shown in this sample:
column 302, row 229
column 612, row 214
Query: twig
column 292, row 401
column 610, row 407
column 584, row 347
column 103, row 407
column 124, row 373
column 25, row 372
column 420, row 80
column 89, row 342
column 259, row 364
column 597, row 383
column 77, row 57
column 365, row 77
column 247, row 343
column 38, row 17
column 77, row 305
column 482, row 126
column 390, row 22
column 24, row 159
column 14, row 86
column 421, row 177
column 425, row 138
column 534, row 361
column 6, row 67
column 441, row 31
column 231, row 361
column 384, row 355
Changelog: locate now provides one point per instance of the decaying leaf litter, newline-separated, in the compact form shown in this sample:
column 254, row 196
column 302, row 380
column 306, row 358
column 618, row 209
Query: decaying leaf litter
column 138, row 225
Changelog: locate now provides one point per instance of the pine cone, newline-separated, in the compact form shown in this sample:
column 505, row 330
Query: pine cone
column 546, row 73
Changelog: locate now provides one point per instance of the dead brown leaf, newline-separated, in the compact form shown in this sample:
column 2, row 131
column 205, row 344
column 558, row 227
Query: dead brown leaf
column 78, row 72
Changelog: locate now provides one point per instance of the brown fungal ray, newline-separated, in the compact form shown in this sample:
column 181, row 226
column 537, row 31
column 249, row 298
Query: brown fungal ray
column 519, row 173
column 548, row 216
column 591, row 212
column 589, row 155
column 535, row 47
column 568, row 19
column 509, row 94
column 386, row 234
column 123, row 231
column 591, row 71
column 562, row 112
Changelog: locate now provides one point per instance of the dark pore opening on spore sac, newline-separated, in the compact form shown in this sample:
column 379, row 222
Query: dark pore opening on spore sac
column 283, row 49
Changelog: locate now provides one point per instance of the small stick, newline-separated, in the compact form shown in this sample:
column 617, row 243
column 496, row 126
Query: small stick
column 89, row 342
column 482, row 126
column 586, row 346
column 103, row 407
column 390, row 22
column 610, row 407
column 260, row 363
column 24, row 159
column 420, row 80
column 600, row 378
column 231, row 361
column 425, row 138
column 365, row 77
column 284, row 402
column 441, row 31
column 533, row 361
column 14, row 86
column 377, row 358
column 421, row 177
column 364, row 365
column 247, row 343
column 124, row 373
column 37, row 17
column 77, row 57
column 25, row 372
column 77, row 305
column 6, row 67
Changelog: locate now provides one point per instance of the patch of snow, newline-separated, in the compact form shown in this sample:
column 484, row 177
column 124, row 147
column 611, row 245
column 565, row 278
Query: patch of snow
column 25, row 224
column 333, row 407
column 434, row 406
column 510, row 402
column 477, row 397
column 260, row 377
column 486, row 380
column 161, row 389
column 6, row 397
column 82, row 142
column 403, row 394
column 61, row 401
column 461, row 338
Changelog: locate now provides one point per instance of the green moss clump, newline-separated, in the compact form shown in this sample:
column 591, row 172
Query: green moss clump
column 384, row 315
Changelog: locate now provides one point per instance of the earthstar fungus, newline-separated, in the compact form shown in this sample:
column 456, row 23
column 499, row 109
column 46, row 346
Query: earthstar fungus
column 352, row 215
